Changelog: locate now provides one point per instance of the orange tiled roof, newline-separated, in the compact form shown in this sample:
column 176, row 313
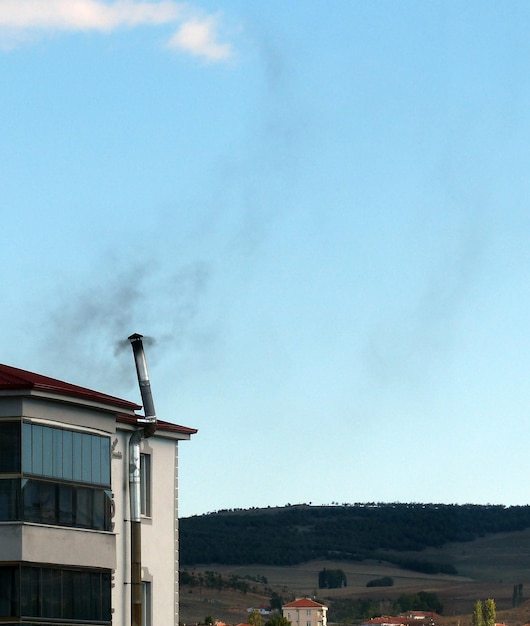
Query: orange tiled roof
column 303, row 603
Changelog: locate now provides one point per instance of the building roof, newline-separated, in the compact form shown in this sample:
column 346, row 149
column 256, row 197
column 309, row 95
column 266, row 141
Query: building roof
column 303, row 603
column 13, row 379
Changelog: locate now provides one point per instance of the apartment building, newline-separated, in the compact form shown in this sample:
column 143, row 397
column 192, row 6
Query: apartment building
column 65, row 523
column 305, row 612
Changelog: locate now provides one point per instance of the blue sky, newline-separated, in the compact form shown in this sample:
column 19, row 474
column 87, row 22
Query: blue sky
column 317, row 211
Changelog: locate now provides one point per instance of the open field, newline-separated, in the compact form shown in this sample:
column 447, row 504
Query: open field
column 488, row 567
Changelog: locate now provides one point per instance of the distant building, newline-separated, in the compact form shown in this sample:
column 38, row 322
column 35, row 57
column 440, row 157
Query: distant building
column 384, row 620
column 305, row 612
column 65, row 552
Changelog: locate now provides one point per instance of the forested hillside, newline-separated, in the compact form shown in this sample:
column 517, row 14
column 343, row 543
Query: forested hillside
column 300, row 533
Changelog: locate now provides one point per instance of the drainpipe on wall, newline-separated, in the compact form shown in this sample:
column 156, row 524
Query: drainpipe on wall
column 148, row 428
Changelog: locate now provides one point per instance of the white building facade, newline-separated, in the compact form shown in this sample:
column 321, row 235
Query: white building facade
column 64, row 516
column 305, row 612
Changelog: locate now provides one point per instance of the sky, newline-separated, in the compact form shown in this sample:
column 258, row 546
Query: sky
column 317, row 213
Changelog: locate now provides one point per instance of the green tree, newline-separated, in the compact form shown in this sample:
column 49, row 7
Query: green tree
column 254, row 619
column 208, row 620
column 489, row 612
column 517, row 598
column 278, row 620
column 478, row 614
column 276, row 601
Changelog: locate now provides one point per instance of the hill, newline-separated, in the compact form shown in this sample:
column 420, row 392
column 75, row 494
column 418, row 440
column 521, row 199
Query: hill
column 488, row 565
column 301, row 533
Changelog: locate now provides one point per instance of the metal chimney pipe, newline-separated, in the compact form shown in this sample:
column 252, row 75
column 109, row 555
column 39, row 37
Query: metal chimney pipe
column 135, row 477
column 145, row 384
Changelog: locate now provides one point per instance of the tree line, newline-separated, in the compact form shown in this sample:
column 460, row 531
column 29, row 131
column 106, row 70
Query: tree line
column 298, row 533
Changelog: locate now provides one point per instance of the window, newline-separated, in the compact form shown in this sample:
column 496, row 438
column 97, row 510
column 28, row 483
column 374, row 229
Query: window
column 9, row 598
column 146, row 604
column 63, row 594
column 60, row 504
column 145, row 485
column 9, row 447
column 65, row 455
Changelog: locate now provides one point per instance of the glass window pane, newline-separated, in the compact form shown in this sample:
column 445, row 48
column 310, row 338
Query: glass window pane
column 66, row 505
column 47, row 451
column 81, row 597
column 86, row 473
column 9, row 499
column 95, row 461
column 98, row 521
column 26, row 448
column 105, row 597
column 105, row 461
column 30, row 596
column 84, row 507
column 9, row 599
column 57, row 471
column 51, row 592
column 68, row 594
column 68, row 472
column 76, row 456
column 47, row 503
column 36, row 458
column 9, row 447
column 31, row 501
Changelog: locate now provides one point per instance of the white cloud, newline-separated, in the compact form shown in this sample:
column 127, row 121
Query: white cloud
column 196, row 34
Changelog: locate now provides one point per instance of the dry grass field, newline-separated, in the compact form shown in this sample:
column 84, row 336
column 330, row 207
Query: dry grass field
column 487, row 568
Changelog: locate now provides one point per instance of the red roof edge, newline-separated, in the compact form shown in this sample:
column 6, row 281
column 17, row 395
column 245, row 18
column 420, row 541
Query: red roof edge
column 160, row 425
column 13, row 378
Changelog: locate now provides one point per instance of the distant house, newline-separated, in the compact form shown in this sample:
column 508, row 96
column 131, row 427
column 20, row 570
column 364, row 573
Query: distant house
column 384, row 620
column 305, row 612
column 420, row 615
column 262, row 610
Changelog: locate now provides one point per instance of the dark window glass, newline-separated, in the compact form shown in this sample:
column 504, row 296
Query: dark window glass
column 46, row 502
column 57, row 594
column 81, row 595
column 68, row 594
column 84, row 508
column 105, row 597
column 51, row 592
column 99, row 502
column 30, row 596
column 9, row 499
column 66, row 505
column 9, row 447
column 9, row 599
column 31, row 501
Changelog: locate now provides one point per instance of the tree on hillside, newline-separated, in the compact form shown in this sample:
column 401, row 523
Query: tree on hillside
column 489, row 612
column 276, row 601
column 331, row 579
column 517, row 595
column 254, row 619
column 478, row 614
column 278, row 621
